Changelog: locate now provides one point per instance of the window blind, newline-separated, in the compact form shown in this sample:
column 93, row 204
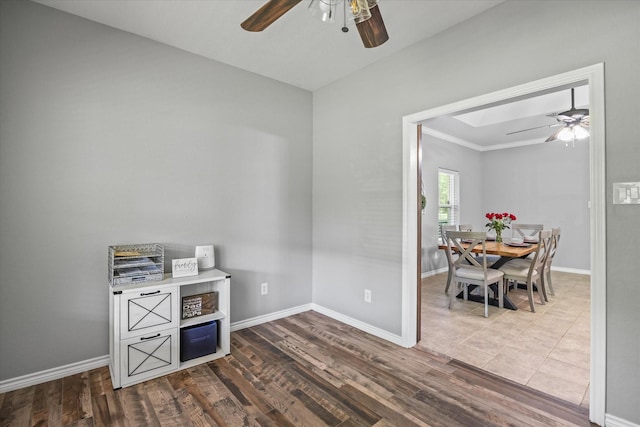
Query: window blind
column 449, row 197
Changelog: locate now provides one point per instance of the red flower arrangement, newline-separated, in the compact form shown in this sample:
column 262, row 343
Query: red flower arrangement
column 498, row 222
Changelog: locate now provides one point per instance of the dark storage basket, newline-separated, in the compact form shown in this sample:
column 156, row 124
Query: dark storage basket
column 198, row 340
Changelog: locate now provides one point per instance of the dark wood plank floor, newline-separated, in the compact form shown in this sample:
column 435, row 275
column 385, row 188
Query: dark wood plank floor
column 303, row 370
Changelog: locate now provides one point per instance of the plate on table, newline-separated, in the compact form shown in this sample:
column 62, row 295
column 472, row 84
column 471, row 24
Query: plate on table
column 531, row 240
column 518, row 245
column 467, row 240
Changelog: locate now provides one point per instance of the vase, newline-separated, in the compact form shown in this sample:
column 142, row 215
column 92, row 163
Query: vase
column 499, row 236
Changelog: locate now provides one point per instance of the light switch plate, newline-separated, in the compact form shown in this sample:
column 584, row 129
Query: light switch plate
column 626, row 193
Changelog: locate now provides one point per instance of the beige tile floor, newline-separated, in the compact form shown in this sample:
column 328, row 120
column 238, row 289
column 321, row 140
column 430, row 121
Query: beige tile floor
column 547, row 350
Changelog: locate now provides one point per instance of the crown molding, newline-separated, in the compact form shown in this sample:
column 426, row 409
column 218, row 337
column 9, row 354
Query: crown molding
column 473, row 146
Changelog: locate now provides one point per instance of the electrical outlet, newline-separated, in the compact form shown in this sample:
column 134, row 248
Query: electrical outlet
column 264, row 288
column 367, row 295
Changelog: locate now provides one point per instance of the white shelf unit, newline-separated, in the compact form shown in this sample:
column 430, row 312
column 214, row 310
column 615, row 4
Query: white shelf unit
column 145, row 323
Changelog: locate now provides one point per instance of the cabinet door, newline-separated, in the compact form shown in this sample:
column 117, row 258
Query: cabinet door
column 147, row 311
column 148, row 356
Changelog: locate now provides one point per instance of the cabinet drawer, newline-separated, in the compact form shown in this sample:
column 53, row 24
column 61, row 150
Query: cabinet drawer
column 148, row 356
column 148, row 310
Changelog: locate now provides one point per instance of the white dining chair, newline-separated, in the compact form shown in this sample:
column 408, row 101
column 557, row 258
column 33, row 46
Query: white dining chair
column 468, row 271
column 546, row 276
column 465, row 227
column 527, row 232
column 450, row 257
column 529, row 271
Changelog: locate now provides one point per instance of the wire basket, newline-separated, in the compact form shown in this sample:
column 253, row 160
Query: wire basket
column 133, row 264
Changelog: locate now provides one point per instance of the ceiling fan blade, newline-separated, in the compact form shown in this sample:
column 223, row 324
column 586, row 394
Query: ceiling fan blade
column 268, row 14
column 555, row 135
column 372, row 31
column 562, row 117
column 572, row 113
column 537, row 127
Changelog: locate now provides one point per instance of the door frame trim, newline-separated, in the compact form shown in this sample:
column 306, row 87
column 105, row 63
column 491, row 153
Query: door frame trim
column 594, row 74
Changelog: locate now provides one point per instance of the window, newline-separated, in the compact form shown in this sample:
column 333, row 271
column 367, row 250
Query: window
column 448, row 197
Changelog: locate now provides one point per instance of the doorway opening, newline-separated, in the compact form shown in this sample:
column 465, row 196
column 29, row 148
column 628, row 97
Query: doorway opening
column 594, row 75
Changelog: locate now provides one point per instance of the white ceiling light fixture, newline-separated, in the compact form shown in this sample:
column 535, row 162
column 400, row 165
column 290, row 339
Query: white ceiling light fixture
column 326, row 10
column 575, row 124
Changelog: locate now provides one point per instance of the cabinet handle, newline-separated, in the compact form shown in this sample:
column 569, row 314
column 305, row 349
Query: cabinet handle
column 148, row 338
column 149, row 293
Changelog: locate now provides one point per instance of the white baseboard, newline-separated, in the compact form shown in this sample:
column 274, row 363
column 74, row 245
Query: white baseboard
column 434, row 272
column 571, row 270
column 613, row 421
column 254, row 321
column 53, row 374
column 373, row 330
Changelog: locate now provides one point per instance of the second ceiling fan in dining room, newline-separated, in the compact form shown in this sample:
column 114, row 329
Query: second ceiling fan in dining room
column 574, row 124
column 365, row 13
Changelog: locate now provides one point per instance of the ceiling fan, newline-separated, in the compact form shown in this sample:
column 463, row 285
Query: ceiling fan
column 574, row 122
column 366, row 14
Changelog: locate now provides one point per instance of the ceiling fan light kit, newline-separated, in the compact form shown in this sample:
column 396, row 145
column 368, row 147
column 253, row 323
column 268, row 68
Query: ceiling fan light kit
column 326, row 10
column 569, row 134
column 575, row 123
column 359, row 10
column 365, row 14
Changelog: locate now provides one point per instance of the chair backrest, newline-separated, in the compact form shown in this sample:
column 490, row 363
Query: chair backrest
column 555, row 238
column 525, row 230
column 443, row 231
column 465, row 227
column 463, row 243
column 540, row 257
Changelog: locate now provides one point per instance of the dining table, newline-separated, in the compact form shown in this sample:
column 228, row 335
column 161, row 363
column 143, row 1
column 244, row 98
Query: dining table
column 506, row 251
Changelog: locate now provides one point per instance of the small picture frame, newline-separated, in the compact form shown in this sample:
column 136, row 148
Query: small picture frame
column 184, row 267
column 199, row 305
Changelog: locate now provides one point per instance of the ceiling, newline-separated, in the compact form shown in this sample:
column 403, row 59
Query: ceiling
column 300, row 50
column 297, row 49
column 508, row 124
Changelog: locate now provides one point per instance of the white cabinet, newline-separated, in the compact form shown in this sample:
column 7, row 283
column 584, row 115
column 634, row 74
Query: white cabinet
column 145, row 325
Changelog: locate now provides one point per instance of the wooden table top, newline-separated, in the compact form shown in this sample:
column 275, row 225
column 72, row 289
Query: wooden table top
column 495, row 248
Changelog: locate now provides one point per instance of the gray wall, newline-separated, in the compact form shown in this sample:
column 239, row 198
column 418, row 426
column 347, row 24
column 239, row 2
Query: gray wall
column 513, row 43
column 109, row 138
column 542, row 183
column 550, row 186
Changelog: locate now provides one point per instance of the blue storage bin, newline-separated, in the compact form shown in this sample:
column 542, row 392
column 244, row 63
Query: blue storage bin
column 198, row 340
